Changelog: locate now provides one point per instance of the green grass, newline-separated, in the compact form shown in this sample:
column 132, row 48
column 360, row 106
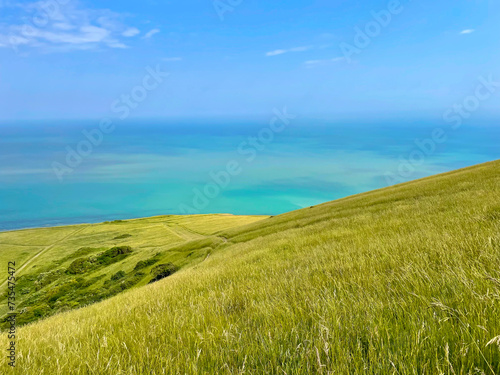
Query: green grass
column 70, row 267
column 403, row 280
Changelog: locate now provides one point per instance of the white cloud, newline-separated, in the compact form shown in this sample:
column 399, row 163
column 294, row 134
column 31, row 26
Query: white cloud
column 151, row 33
column 467, row 31
column 283, row 51
column 118, row 45
column 85, row 34
column 324, row 62
column 314, row 62
column 13, row 40
column 65, row 26
column 130, row 32
column 276, row 52
column 172, row 59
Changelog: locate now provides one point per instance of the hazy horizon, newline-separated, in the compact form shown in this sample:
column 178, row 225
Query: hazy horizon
column 84, row 59
column 152, row 168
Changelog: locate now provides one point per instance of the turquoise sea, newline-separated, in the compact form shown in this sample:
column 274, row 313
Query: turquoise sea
column 64, row 172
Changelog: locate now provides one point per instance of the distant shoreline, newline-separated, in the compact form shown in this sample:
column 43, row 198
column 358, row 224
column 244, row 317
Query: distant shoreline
column 103, row 221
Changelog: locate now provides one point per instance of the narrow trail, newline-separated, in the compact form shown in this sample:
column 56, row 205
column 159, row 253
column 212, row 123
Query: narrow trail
column 43, row 251
column 224, row 242
column 175, row 233
column 184, row 232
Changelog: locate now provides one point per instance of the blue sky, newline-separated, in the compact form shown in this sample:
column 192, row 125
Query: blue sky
column 65, row 59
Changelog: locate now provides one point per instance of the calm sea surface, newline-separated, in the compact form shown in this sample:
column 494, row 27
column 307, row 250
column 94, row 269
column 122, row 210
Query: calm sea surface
column 50, row 176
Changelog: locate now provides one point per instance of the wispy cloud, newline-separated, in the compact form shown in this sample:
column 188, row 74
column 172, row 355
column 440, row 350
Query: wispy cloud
column 66, row 26
column 130, row 32
column 283, row 51
column 276, row 52
column 149, row 34
column 323, row 62
column 467, row 31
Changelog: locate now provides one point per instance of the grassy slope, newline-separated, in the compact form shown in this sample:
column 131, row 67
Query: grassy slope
column 404, row 280
column 25, row 244
column 39, row 251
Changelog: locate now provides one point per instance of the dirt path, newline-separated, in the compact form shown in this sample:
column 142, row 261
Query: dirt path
column 175, row 233
column 184, row 232
column 43, row 251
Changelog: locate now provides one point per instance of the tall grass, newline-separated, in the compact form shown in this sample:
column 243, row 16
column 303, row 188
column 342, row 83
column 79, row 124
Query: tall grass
column 49, row 256
column 404, row 280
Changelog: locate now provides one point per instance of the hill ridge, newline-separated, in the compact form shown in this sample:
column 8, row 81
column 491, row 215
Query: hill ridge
column 399, row 280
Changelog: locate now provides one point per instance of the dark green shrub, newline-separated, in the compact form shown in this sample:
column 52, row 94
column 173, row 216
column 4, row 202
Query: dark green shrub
column 108, row 284
column 145, row 263
column 140, row 265
column 163, row 270
column 88, row 283
column 55, row 294
column 121, row 237
column 47, row 278
column 114, row 254
column 79, row 266
column 34, row 313
column 119, row 275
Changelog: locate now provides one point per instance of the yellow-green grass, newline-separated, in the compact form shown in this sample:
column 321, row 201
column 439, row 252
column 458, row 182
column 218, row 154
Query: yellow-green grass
column 403, row 280
column 22, row 245
column 43, row 250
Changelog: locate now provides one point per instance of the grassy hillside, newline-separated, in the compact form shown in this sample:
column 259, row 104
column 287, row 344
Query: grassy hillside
column 404, row 280
column 63, row 268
